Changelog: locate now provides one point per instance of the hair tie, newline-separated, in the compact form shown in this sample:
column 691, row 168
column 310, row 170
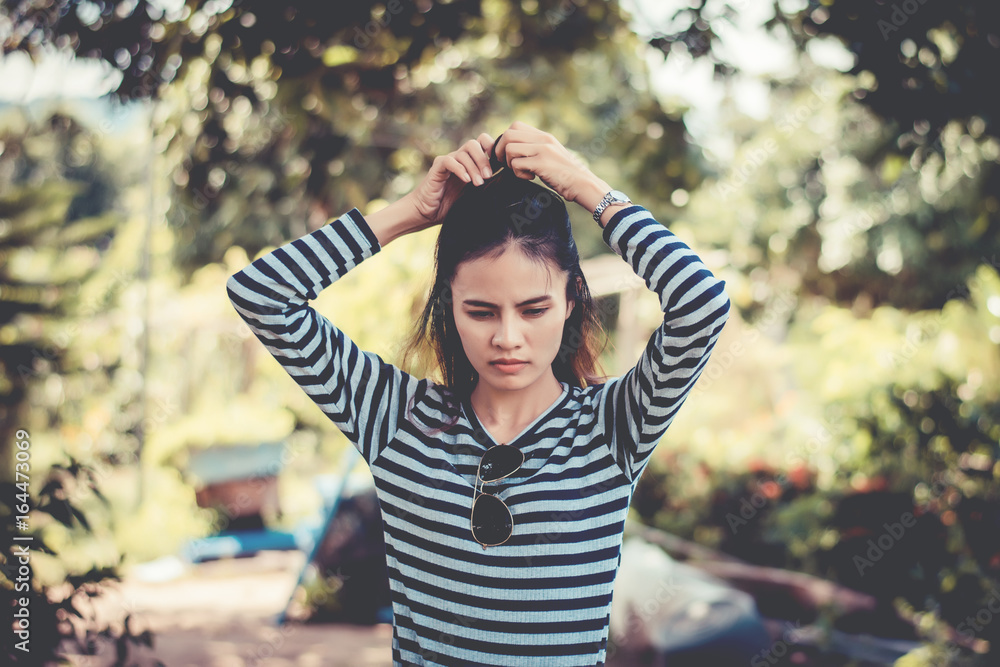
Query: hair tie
column 495, row 163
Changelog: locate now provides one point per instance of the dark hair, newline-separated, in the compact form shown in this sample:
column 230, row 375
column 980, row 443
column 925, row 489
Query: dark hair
column 483, row 222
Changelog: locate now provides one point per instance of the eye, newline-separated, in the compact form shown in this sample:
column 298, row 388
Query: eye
column 536, row 311
column 479, row 314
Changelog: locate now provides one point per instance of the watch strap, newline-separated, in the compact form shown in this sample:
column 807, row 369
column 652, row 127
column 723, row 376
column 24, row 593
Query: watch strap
column 611, row 198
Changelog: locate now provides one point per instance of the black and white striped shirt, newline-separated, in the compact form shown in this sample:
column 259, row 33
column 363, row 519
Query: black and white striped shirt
column 544, row 596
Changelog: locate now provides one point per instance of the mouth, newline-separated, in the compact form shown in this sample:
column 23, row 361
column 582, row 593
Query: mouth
column 508, row 365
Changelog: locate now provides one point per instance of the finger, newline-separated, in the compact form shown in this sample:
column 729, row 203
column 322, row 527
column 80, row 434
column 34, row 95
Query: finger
column 522, row 132
column 464, row 157
column 439, row 172
column 519, row 165
column 516, row 154
column 513, row 143
column 451, row 164
column 516, row 149
column 539, row 165
column 480, row 158
column 519, row 125
column 522, row 159
column 486, row 142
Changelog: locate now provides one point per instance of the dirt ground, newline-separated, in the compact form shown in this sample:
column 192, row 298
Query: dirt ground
column 221, row 614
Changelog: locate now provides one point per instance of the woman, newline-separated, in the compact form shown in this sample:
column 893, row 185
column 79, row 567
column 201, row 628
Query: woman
column 504, row 488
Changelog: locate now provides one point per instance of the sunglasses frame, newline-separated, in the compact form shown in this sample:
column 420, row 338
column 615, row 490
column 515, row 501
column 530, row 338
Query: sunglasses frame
column 477, row 494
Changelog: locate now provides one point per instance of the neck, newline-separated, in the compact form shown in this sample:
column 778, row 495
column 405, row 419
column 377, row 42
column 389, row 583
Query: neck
column 511, row 408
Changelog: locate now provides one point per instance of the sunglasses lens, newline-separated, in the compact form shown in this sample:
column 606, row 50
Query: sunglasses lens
column 491, row 520
column 500, row 461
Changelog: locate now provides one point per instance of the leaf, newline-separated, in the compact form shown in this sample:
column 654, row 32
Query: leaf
column 79, row 517
column 58, row 510
column 95, row 575
column 39, row 545
column 49, row 489
column 96, row 490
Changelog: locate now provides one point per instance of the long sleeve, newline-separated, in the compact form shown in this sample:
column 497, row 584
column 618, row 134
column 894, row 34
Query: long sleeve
column 636, row 409
column 362, row 394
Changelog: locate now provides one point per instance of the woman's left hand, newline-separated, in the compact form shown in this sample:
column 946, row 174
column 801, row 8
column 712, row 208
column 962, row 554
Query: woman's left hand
column 530, row 152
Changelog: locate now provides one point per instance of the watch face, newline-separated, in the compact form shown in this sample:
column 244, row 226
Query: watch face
column 619, row 196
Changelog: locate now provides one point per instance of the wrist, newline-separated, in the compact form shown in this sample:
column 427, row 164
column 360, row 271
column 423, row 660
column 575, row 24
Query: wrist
column 394, row 220
column 590, row 193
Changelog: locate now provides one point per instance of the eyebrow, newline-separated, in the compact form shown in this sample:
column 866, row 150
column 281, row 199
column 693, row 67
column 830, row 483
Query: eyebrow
column 487, row 304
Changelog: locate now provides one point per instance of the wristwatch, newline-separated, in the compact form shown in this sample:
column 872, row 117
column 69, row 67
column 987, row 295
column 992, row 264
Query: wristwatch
column 613, row 197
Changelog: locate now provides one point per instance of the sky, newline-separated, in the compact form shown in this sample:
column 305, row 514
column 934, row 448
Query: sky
column 55, row 75
column 681, row 80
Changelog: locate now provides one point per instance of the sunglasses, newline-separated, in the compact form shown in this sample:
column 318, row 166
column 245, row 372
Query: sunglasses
column 492, row 522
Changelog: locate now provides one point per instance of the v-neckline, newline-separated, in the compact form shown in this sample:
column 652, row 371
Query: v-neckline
column 470, row 414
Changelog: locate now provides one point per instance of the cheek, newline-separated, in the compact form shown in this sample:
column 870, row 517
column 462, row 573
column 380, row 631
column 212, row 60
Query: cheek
column 473, row 337
column 554, row 330
column 464, row 333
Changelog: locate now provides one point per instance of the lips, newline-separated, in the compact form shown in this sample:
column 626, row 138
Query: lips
column 508, row 365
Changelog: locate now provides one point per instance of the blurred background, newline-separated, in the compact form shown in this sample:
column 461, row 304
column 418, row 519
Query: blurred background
column 835, row 161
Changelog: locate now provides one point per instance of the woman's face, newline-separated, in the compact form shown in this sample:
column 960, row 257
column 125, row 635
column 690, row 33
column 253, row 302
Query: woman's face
column 510, row 308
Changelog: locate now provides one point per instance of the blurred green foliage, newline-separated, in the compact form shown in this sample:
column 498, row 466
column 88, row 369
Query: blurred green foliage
column 857, row 380
column 60, row 600
column 277, row 116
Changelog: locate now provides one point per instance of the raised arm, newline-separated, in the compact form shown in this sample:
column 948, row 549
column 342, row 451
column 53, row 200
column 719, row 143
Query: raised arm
column 362, row 394
column 636, row 409
column 358, row 391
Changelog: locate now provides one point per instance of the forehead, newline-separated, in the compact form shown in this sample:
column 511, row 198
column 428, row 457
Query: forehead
column 513, row 276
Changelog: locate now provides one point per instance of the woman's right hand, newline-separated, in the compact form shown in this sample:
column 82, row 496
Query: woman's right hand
column 448, row 174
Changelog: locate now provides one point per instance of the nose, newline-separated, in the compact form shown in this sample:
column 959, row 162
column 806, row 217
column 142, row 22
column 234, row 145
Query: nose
column 508, row 333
